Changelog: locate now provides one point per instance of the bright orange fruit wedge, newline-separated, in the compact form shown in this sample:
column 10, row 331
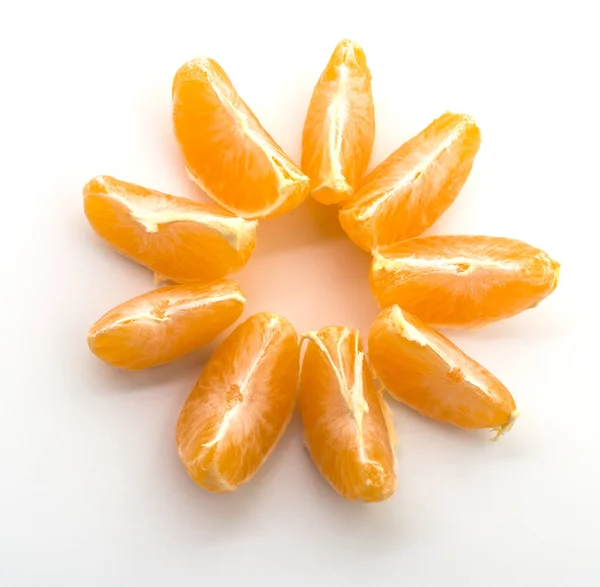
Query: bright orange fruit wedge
column 413, row 187
column 164, row 324
column 226, row 150
column 241, row 404
column 176, row 238
column 340, row 126
column 462, row 281
column 346, row 425
column 423, row 369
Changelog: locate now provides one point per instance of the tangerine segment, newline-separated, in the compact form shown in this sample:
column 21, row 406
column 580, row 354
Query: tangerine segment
column 226, row 150
column 241, row 403
column 423, row 369
column 164, row 324
column 414, row 186
column 462, row 281
column 178, row 239
column 345, row 426
column 340, row 125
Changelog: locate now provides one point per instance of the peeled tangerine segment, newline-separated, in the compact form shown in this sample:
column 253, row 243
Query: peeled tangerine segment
column 340, row 126
column 346, row 425
column 164, row 324
column 241, row 404
column 423, row 369
column 226, row 150
column 462, row 281
column 178, row 239
column 414, row 186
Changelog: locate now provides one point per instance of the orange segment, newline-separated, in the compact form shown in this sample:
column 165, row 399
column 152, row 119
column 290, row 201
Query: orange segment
column 340, row 126
column 426, row 371
column 164, row 324
column 414, row 186
column 176, row 238
column 227, row 152
column 241, row 403
column 462, row 281
column 345, row 426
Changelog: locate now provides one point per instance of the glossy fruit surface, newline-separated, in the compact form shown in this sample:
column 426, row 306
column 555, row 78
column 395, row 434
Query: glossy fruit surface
column 426, row 371
column 413, row 187
column 241, row 404
column 340, row 126
column 346, row 428
column 462, row 280
column 226, row 150
column 164, row 324
column 178, row 239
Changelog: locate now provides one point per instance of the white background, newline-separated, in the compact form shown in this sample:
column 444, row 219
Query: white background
column 91, row 489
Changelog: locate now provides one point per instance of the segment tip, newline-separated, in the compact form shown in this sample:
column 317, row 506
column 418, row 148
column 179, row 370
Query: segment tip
column 501, row 430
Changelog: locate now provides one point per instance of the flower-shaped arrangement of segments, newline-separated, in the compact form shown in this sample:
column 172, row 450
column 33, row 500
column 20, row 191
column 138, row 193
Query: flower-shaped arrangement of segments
column 247, row 391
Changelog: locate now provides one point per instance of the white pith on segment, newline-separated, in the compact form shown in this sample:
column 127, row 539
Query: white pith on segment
column 287, row 177
column 229, row 416
column 422, row 162
column 353, row 395
column 392, row 264
column 412, row 334
column 148, row 315
column 337, row 113
column 152, row 211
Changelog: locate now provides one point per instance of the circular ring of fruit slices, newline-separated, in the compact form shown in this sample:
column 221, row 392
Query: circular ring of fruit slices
column 340, row 126
column 164, row 324
column 413, row 187
column 423, row 369
column 227, row 151
column 178, row 239
column 245, row 395
column 462, row 280
column 347, row 428
column 241, row 404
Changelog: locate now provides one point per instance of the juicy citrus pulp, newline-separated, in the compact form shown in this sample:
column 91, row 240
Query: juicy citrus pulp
column 164, row 324
column 340, row 126
column 462, row 281
column 345, row 426
column 241, row 404
column 423, row 369
column 176, row 238
column 413, row 187
column 226, row 150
